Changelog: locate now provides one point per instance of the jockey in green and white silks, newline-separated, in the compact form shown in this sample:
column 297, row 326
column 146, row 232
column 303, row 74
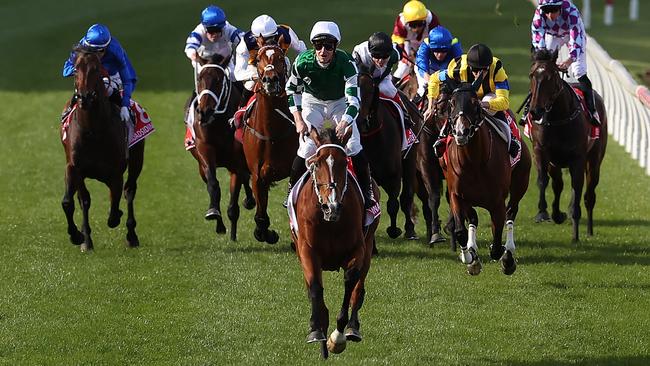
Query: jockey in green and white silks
column 323, row 86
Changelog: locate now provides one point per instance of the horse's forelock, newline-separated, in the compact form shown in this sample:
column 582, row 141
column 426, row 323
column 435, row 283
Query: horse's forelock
column 543, row 55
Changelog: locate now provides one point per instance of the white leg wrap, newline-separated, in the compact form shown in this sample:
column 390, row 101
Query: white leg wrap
column 337, row 337
column 510, row 236
column 471, row 237
column 465, row 256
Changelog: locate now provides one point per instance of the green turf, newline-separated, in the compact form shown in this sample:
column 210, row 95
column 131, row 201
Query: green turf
column 189, row 297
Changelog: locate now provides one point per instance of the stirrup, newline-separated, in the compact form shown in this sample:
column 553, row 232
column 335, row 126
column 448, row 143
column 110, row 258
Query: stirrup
column 514, row 147
column 439, row 147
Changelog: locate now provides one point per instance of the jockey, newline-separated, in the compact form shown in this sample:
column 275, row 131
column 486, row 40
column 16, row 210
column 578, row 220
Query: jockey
column 556, row 23
column 323, row 86
column 411, row 27
column 377, row 56
column 477, row 64
column 264, row 31
column 121, row 75
column 434, row 54
column 213, row 36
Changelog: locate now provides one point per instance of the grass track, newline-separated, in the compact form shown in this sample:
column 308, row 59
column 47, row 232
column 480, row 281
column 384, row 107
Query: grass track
column 189, row 297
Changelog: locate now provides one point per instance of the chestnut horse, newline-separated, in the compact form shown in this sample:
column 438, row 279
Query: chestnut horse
column 96, row 146
column 560, row 135
column 216, row 145
column 270, row 139
column 381, row 137
column 330, row 235
column 478, row 173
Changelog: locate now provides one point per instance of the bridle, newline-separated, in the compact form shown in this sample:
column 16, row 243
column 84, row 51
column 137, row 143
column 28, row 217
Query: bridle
column 467, row 132
column 560, row 87
column 270, row 85
column 87, row 97
column 223, row 99
column 331, row 185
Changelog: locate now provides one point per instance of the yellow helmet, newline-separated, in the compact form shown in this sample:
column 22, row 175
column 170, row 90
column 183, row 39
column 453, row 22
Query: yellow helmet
column 414, row 10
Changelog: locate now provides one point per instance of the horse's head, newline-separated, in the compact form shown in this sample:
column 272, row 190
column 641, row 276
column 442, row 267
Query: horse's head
column 213, row 87
column 441, row 106
column 88, row 82
column 369, row 93
column 328, row 169
column 466, row 114
column 545, row 82
column 271, row 69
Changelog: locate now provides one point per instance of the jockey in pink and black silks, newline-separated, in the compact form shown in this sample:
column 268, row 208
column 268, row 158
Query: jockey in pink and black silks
column 114, row 60
column 557, row 23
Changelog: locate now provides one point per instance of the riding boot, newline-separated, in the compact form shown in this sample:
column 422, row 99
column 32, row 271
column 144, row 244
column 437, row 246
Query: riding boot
column 440, row 145
column 408, row 122
column 245, row 96
column 417, row 99
column 514, row 147
column 589, row 99
column 297, row 170
column 395, row 80
column 362, row 170
column 68, row 109
column 524, row 116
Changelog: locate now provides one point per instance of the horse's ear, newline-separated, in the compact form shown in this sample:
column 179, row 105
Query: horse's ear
column 281, row 39
column 259, row 41
column 346, row 136
column 315, row 136
column 533, row 51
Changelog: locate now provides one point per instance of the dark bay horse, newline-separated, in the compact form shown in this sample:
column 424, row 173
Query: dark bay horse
column 95, row 145
column 478, row 173
column 330, row 236
column 216, row 145
column 561, row 139
column 381, row 137
column 270, row 139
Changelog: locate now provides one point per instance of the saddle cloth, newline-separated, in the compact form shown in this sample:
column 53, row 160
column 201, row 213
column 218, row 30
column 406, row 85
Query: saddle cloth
column 408, row 137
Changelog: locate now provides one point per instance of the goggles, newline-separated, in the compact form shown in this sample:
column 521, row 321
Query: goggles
column 328, row 46
column 416, row 24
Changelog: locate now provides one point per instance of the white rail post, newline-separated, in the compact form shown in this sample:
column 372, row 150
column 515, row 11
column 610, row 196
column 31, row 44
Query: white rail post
column 634, row 9
column 609, row 12
column 586, row 13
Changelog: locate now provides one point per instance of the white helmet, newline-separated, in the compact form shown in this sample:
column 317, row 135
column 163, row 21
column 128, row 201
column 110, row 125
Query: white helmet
column 264, row 26
column 324, row 30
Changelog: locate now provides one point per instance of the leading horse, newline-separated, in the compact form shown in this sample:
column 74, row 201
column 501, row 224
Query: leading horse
column 216, row 146
column 479, row 173
column 561, row 139
column 270, row 139
column 381, row 137
column 329, row 235
column 96, row 146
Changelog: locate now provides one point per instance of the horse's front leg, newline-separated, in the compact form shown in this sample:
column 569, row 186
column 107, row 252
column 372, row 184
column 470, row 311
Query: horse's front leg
column 558, row 185
column 136, row 160
column 406, row 196
column 466, row 238
column 233, row 205
column 262, row 221
column 115, row 187
column 337, row 340
column 577, row 181
column 67, row 203
column 214, row 191
column 319, row 320
column 84, row 202
column 392, row 188
column 432, row 181
column 542, row 183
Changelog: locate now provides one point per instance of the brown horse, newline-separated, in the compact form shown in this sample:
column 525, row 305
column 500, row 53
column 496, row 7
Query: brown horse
column 330, row 236
column 270, row 139
column 216, row 145
column 560, row 135
column 478, row 173
column 381, row 133
column 95, row 145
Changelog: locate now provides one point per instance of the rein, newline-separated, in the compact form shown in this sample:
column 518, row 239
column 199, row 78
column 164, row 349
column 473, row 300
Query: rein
column 226, row 88
column 331, row 185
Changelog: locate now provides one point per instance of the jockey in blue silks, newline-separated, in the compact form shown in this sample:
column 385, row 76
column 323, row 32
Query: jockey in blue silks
column 434, row 54
column 114, row 60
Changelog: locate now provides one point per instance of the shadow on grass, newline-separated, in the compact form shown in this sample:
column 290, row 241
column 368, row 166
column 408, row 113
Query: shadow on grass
column 580, row 360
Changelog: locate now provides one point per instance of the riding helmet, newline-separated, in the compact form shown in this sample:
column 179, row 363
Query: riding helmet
column 413, row 11
column 213, row 17
column 440, row 38
column 479, row 56
column 264, row 26
column 325, row 31
column 97, row 37
column 380, row 45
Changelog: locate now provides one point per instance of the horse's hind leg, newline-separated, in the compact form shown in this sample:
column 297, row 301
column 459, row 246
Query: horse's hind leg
column 593, row 177
column 392, row 206
column 262, row 220
column 136, row 160
column 406, row 196
column 233, row 205
column 84, row 202
column 67, row 203
column 214, row 191
column 115, row 187
column 558, row 185
column 249, row 200
column 577, row 171
column 542, row 184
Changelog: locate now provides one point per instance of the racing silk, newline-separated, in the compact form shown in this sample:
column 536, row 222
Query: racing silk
column 403, row 33
column 225, row 45
column 337, row 80
column 496, row 81
column 247, row 51
column 569, row 23
column 427, row 63
column 362, row 56
column 114, row 61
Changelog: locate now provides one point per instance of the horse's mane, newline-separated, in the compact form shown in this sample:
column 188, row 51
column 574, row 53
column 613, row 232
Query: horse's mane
column 80, row 48
column 543, row 55
column 328, row 136
column 464, row 87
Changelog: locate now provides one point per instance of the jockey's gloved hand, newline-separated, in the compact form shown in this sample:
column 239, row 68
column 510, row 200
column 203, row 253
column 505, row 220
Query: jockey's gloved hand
column 124, row 114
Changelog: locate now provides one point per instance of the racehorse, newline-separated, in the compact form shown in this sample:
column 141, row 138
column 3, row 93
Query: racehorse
column 270, row 140
column 96, row 146
column 478, row 173
column 216, row 146
column 381, row 139
column 329, row 235
column 561, row 139
column 429, row 174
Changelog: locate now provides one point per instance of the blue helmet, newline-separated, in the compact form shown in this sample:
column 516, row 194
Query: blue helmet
column 97, row 37
column 213, row 17
column 440, row 38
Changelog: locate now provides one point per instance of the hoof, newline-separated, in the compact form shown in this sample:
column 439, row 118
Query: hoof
column 475, row 267
column 293, row 246
column 559, row 217
column 496, row 251
column 114, row 220
column 77, row 238
column 249, row 203
column 132, row 240
column 212, row 214
column 335, row 347
column 353, row 335
column 542, row 216
column 508, row 263
column 316, row 336
column 410, row 235
column 393, row 232
column 272, row 237
column 436, row 238
column 260, row 235
column 86, row 248
column 221, row 228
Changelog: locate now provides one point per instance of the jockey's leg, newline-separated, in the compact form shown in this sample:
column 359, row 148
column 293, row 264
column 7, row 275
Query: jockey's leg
column 247, row 93
column 403, row 69
column 387, row 88
column 68, row 108
column 298, row 168
column 526, row 107
column 514, row 147
column 422, row 88
column 589, row 98
column 362, row 170
column 440, row 146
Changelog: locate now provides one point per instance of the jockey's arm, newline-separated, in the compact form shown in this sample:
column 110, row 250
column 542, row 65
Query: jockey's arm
column 433, row 90
column 351, row 93
column 193, row 42
column 296, row 44
column 68, row 66
column 243, row 70
column 422, row 59
column 127, row 75
column 502, row 100
column 537, row 30
column 294, row 90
